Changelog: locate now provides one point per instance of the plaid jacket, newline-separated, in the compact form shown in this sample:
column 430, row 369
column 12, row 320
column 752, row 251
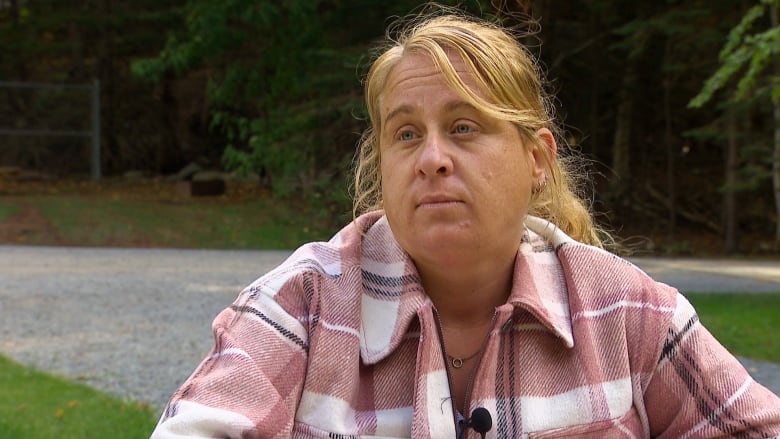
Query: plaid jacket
column 341, row 341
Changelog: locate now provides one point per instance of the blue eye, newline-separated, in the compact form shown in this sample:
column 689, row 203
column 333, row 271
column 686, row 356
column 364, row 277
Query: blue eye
column 406, row 135
column 462, row 129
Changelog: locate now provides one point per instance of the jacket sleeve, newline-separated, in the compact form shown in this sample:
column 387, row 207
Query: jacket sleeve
column 250, row 383
column 700, row 390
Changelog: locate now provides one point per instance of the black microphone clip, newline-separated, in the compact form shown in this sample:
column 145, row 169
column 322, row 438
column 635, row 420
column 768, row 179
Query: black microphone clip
column 480, row 421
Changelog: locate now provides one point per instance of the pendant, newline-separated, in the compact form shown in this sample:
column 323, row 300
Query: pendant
column 457, row 363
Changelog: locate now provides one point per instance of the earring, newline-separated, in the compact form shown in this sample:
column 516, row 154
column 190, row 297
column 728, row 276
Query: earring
column 540, row 185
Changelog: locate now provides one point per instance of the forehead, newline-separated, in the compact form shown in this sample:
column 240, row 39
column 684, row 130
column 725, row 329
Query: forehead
column 415, row 71
column 416, row 65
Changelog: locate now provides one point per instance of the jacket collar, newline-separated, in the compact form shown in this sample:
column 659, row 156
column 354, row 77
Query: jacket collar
column 539, row 285
column 392, row 294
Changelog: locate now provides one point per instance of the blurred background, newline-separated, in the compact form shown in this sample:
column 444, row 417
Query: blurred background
column 132, row 103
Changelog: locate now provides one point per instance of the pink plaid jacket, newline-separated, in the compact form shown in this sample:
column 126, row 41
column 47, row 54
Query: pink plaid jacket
column 340, row 341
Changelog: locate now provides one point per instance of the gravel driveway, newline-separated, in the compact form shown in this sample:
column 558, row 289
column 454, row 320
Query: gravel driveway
column 136, row 322
column 132, row 322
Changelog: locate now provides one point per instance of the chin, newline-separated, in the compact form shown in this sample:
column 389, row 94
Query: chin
column 438, row 245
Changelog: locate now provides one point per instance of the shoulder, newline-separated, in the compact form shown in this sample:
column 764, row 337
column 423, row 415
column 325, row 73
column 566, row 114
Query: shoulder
column 587, row 266
column 597, row 279
column 598, row 275
column 336, row 261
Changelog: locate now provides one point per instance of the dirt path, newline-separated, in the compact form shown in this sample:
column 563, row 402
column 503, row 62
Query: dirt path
column 28, row 226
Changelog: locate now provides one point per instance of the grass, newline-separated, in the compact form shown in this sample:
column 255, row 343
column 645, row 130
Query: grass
column 747, row 324
column 34, row 404
column 116, row 220
column 6, row 210
column 193, row 225
column 39, row 405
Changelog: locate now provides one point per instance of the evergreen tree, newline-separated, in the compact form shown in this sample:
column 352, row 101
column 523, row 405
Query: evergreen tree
column 752, row 54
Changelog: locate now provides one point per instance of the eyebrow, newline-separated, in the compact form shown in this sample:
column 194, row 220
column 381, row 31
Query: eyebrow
column 459, row 105
column 449, row 107
column 403, row 109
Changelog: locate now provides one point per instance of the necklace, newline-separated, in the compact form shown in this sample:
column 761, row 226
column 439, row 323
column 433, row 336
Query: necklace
column 457, row 363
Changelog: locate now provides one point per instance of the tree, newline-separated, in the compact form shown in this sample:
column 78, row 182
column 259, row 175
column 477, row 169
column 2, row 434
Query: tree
column 284, row 88
column 51, row 41
column 673, row 36
column 753, row 55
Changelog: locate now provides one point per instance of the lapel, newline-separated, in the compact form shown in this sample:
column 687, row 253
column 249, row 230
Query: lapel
column 391, row 295
column 539, row 284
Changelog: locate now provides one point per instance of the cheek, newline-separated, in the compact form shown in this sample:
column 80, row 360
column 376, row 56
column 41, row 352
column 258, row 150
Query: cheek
column 393, row 169
column 511, row 181
column 389, row 184
column 509, row 171
column 385, row 174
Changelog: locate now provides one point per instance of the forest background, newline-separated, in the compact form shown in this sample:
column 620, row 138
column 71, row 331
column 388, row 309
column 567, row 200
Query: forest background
column 676, row 104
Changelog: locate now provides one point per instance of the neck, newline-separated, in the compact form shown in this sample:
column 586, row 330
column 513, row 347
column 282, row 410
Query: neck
column 467, row 297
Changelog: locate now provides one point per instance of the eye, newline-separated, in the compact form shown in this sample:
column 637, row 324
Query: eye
column 463, row 128
column 406, row 135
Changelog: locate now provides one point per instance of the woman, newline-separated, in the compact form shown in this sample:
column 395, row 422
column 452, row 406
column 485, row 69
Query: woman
column 471, row 297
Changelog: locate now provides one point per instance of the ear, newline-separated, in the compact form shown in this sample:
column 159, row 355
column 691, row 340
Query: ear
column 544, row 153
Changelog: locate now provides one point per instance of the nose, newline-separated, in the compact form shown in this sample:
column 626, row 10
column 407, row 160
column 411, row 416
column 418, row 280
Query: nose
column 434, row 157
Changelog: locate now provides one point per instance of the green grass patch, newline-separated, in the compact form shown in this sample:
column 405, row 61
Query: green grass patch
column 38, row 405
column 747, row 324
column 256, row 224
column 6, row 210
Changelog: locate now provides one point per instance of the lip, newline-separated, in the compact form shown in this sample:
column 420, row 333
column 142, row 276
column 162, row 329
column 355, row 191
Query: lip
column 437, row 200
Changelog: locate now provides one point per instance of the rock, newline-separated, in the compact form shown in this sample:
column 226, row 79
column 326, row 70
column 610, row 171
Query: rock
column 202, row 184
column 208, row 176
column 187, row 172
column 134, row 175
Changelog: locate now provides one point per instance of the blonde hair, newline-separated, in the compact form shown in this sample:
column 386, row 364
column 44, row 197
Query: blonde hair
column 511, row 83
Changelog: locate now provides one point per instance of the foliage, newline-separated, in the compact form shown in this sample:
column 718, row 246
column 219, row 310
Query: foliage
column 753, row 53
column 754, row 153
column 36, row 405
column 49, row 41
column 285, row 102
column 62, row 36
column 271, row 68
column 677, row 22
column 273, row 89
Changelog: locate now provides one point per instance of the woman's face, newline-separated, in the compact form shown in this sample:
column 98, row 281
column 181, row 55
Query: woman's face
column 454, row 180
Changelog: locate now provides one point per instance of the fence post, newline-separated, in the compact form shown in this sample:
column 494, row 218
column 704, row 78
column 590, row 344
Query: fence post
column 95, row 165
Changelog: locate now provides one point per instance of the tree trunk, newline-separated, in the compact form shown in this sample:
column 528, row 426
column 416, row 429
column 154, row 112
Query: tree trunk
column 19, row 102
column 595, row 53
column 105, row 74
column 14, row 12
column 774, row 12
column 671, row 185
column 76, row 42
column 776, row 172
column 729, row 195
column 621, row 146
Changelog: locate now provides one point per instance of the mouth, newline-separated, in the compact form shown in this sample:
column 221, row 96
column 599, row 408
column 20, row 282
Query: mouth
column 436, row 201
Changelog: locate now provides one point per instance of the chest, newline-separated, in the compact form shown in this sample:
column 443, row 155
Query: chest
column 530, row 382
